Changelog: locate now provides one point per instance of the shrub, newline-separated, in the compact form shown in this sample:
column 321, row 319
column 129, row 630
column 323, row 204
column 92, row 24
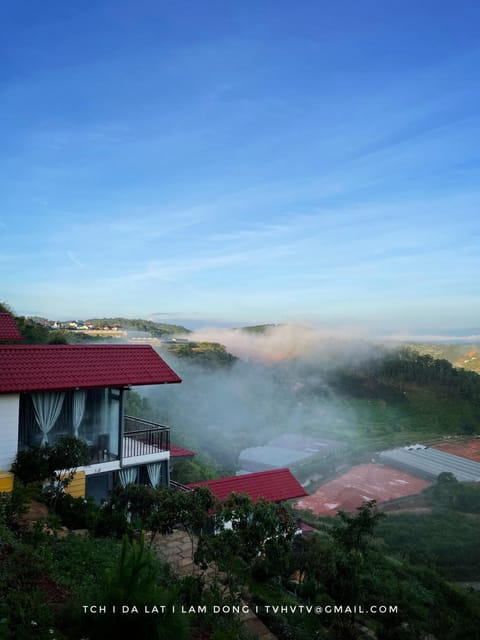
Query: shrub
column 31, row 465
column 109, row 522
column 76, row 513
column 38, row 464
column 13, row 506
column 67, row 453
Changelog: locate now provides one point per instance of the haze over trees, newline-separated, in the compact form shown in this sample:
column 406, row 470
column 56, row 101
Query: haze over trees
column 370, row 398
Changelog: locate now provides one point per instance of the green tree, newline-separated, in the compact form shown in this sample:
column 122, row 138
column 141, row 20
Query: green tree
column 348, row 559
column 134, row 585
column 197, row 512
column 158, row 510
column 446, row 477
column 249, row 536
column 355, row 531
column 56, row 464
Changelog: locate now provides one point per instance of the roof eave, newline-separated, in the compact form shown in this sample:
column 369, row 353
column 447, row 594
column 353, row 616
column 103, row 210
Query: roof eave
column 73, row 387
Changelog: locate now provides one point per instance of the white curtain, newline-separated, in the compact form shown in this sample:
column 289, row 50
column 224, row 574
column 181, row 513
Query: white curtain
column 128, row 475
column 78, row 409
column 47, row 408
column 154, row 473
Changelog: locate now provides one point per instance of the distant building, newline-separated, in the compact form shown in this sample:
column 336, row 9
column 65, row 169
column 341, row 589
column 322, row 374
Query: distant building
column 427, row 463
column 285, row 451
column 175, row 341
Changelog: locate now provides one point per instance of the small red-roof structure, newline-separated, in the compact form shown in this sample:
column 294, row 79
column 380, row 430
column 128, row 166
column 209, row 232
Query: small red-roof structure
column 304, row 527
column 274, row 485
column 28, row 368
column 8, row 329
column 180, row 452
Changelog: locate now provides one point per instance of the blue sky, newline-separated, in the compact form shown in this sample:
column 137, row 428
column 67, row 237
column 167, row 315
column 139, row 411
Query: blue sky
column 242, row 161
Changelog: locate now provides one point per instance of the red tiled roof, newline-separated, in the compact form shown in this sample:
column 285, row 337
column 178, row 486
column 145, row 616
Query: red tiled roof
column 8, row 329
column 59, row 367
column 180, row 452
column 274, row 485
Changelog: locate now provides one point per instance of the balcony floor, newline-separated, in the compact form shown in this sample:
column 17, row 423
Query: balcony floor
column 130, row 445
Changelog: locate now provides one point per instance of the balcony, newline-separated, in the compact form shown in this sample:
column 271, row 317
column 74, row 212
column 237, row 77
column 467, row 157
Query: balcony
column 144, row 438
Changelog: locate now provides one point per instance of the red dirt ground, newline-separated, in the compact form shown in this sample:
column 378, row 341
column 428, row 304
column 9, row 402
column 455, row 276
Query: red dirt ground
column 363, row 482
column 469, row 449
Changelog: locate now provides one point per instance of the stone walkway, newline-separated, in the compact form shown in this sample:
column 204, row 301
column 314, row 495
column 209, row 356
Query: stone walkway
column 176, row 549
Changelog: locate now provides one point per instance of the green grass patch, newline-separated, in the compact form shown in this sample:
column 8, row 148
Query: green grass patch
column 445, row 540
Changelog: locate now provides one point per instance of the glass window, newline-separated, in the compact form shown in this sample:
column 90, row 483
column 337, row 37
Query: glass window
column 94, row 416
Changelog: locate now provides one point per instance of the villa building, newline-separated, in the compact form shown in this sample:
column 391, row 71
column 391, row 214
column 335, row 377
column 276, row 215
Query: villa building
column 47, row 391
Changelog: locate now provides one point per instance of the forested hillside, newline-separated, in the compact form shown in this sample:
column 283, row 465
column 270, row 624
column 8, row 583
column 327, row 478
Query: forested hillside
column 34, row 332
column 402, row 394
column 404, row 366
column 258, row 328
column 157, row 329
column 210, row 355
column 465, row 356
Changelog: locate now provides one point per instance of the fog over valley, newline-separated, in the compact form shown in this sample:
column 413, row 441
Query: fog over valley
column 279, row 384
column 302, row 380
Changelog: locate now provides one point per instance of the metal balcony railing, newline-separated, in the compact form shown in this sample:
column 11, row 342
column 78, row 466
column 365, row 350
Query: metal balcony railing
column 179, row 487
column 142, row 437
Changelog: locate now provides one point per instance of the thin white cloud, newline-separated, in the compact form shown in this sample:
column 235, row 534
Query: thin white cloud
column 173, row 268
column 71, row 256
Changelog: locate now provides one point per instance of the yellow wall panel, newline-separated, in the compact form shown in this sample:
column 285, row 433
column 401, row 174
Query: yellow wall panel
column 6, row 482
column 77, row 487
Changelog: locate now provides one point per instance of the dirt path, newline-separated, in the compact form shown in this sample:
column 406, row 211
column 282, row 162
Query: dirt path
column 176, row 549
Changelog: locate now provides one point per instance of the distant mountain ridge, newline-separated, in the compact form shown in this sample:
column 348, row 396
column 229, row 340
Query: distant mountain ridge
column 464, row 356
column 157, row 329
column 462, row 333
column 257, row 328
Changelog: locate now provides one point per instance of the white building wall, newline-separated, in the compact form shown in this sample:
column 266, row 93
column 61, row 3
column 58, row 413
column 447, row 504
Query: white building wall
column 161, row 456
column 9, row 416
